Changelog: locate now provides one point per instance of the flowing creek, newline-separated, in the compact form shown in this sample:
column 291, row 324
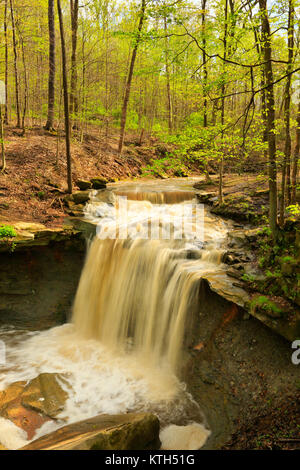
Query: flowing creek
column 137, row 299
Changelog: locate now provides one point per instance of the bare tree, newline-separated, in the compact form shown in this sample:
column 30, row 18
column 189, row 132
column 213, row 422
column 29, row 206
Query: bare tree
column 15, row 63
column 66, row 98
column 296, row 157
column 270, row 114
column 130, row 75
column 74, row 26
column 51, row 81
column 6, row 64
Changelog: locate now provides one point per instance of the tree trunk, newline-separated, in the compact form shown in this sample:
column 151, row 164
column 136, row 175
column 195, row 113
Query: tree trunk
column 3, row 163
column 170, row 120
column 130, row 75
column 221, row 165
column 15, row 63
column 270, row 115
column 73, row 90
column 285, row 178
column 51, row 81
column 6, row 65
column 296, row 157
column 66, row 99
column 204, row 62
column 25, row 88
column 205, row 77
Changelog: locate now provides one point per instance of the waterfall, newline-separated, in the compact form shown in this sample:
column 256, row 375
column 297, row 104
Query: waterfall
column 136, row 292
column 138, row 295
column 133, row 315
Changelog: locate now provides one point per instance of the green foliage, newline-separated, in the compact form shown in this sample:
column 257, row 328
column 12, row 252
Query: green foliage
column 264, row 303
column 7, row 231
column 294, row 209
column 159, row 167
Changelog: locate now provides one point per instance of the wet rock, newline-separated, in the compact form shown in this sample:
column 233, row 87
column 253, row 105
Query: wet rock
column 11, row 393
column 33, row 234
column 223, row 286
column 80, row 197
column 86, row 227
column 118, row 432
column 84, row 185
column 11, row 408
column 75, row 210
column 238, row 237
column 44, row 394
column 252, row 234
column 205, row 197
column 235, row 273
column 99, row 183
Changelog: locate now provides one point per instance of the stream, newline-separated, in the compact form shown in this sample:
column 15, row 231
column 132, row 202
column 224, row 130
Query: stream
column 137, row 300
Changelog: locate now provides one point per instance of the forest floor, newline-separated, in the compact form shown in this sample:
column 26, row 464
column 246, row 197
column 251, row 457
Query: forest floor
column 34, row 184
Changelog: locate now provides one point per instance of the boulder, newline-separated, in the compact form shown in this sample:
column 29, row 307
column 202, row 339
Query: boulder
column 99, row 183
column 30, row 405
column 105, row 432
column 84, row 185
column 10, row 394
column 80, row 197
column 44, row 394
column 11, row 408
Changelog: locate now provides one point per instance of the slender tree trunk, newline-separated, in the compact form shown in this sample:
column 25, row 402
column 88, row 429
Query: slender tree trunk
column 296, row 157
column 3, row 160
column 25, row 89
column 221, row 165
column 205, row 77
column 170, row 120
column 6, row 64
column 15, row 63
column 270, row 115
column 286, row 167
column 51, row 80
column 204, row 62
column 130, row 75
column 288, row 145
column 73, row 90
column 66, row 98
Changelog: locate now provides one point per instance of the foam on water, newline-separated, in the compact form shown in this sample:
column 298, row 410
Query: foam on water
column 98, row 380
column 190, row 437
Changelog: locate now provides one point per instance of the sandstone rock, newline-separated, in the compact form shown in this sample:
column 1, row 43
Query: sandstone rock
column 238, row 237
column 86, row 227
column 28, row 226
column 11, row 408
column 83, row 184
column 252, row 234
column 118, row 432
column 45, row 395
column 99, row 183
column 81, row 197
column 234, row 273
column 11, row 393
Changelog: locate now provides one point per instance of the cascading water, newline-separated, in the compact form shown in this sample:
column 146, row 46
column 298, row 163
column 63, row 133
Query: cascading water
column 138, row 291
column 136, row 296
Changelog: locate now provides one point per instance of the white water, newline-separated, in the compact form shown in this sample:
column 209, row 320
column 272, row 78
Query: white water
column 123, row 349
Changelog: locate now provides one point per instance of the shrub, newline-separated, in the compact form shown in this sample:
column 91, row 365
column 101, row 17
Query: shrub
column 7, row 231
